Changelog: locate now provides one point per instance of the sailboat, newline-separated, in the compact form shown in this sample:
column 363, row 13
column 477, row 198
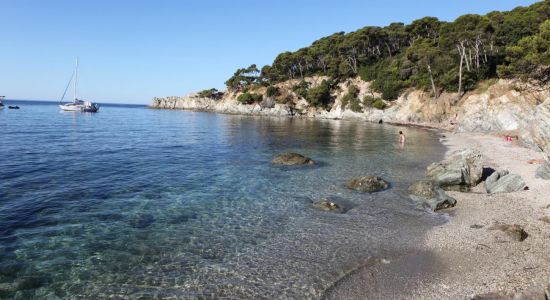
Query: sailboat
column 1, row 102
column 77, row 104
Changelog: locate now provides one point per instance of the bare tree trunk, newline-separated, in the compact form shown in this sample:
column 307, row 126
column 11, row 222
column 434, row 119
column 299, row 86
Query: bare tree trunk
column 432, row 80
column 460, row 75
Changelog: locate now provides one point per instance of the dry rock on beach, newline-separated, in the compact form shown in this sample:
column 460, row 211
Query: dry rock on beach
column 429, row 194
column 504, row 182
column 367, row 184
column 292, row 159
column 516, row 232
column 461, row 170
column 543, row 171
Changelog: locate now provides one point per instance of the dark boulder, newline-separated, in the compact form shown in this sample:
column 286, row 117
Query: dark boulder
column 367, row 184
column 429, row 194
column 330, row 206
column 292, row 159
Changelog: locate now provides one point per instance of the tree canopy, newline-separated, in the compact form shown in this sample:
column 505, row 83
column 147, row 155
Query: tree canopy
column 428, row 54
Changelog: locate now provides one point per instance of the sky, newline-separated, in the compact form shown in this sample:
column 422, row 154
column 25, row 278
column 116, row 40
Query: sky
column 131, row 50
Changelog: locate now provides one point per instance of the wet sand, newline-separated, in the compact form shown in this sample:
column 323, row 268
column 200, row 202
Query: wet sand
column 458, row 260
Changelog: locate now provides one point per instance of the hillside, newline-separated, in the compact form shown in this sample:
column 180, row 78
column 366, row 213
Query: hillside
column 477, row 73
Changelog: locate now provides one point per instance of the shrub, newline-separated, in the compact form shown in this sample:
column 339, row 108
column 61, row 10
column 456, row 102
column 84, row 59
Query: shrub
column 379, row 104
column 351, row 99
column 285, row 100
column 249, row 98
column 301, row 88
column 319, row 95
column 370, row 101
column 272, row 91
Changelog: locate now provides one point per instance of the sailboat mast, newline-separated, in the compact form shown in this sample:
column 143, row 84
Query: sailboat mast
column 75, row 78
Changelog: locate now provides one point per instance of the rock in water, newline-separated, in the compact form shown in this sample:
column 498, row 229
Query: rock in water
column 367, row 184
column 543, row 171
column 292, row 159
column 515, row 231
column 142, row 221
column 504, row 182
column 429, row 194
column 462, row 170
column 328, row 205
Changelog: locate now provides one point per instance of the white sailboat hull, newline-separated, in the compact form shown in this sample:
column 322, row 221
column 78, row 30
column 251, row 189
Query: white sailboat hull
column 71, row 107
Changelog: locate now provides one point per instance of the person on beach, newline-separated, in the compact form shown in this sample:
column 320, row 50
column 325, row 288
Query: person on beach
column 401, row 138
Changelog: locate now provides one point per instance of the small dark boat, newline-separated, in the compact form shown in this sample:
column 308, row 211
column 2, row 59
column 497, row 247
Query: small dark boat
column 13, row 107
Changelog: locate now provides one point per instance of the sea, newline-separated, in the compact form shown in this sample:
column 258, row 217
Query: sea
column 139, row 203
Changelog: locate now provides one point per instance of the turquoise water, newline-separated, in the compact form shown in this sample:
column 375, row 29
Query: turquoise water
column 134, row 203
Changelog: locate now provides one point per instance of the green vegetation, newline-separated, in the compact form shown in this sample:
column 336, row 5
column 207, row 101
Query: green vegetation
column 211, row 93
column 301, row 88
column 351, row 99
column 249, row 98
column 371, row 101
column 244, row 78
column 319, row 95
column 427, row 54
column 272, row 91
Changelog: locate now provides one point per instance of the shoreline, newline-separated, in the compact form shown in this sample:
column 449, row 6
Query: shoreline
column 458, row 259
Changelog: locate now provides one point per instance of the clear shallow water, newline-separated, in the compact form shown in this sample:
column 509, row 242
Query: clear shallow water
column 139, row 203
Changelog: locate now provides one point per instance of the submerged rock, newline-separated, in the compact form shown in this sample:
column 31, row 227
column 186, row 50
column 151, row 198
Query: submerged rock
column 367, row 184
column 429, row 194
column 543, row 171
column 292, row 159
column 461, row 170
column 504, row 182
column 142, row 220
column 329, row 205
column 516, row 232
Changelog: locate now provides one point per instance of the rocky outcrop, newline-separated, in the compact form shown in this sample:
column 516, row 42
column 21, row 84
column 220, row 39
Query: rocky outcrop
column 428, row 194
column 515, row 232
column 504, row 182
column 367, row 184
column 292, row 159
column 543, row 171
column 460, row 171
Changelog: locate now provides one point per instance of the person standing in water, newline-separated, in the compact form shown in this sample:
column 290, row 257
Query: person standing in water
column 401, row 138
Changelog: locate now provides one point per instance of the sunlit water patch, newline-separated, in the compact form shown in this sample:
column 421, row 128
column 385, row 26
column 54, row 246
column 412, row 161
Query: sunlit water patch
column 132, row 202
